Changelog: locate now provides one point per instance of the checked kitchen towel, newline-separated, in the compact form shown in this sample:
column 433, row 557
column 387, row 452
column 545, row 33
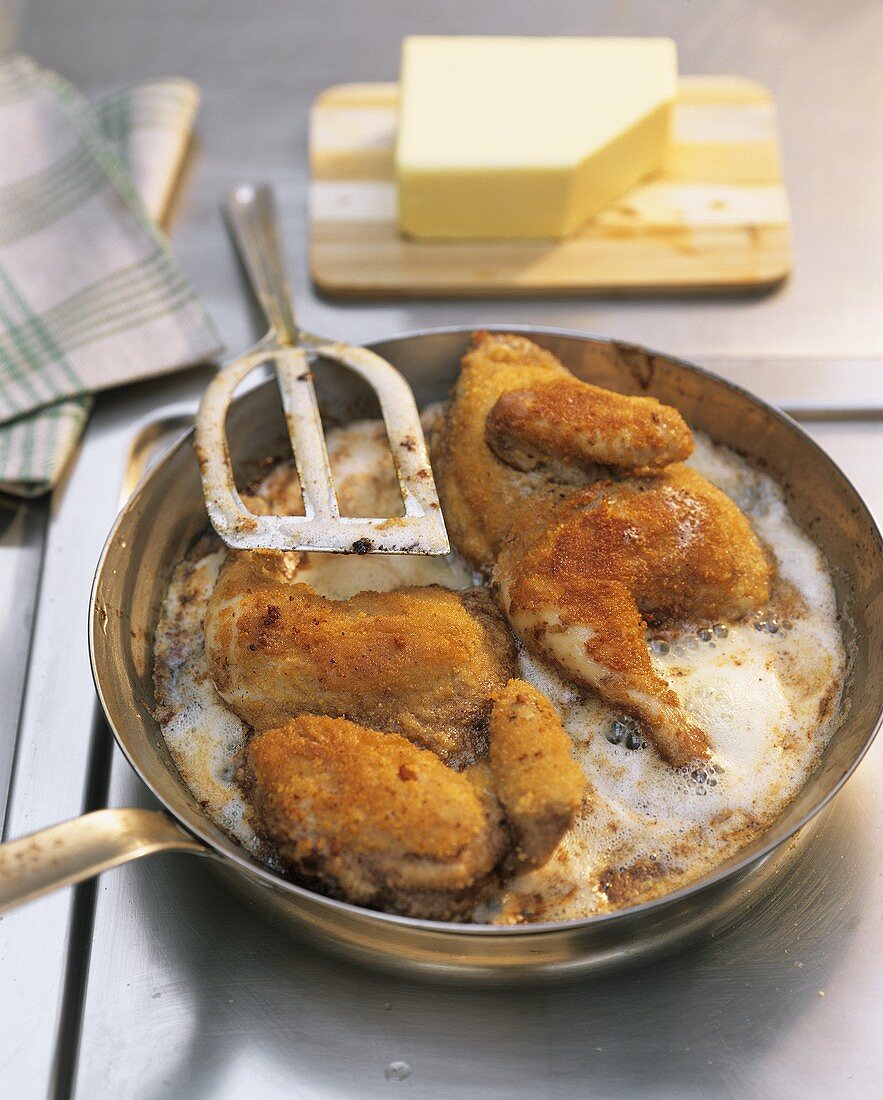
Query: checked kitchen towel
column 90, row 295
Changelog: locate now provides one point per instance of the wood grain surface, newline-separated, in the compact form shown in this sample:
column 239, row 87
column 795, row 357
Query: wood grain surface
column 715, row 219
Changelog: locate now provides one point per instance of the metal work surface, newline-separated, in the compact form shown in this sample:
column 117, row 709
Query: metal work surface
column 159, row 982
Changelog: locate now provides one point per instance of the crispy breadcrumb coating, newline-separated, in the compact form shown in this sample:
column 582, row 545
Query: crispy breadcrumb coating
column 536, row 779
column 571, row 423
column 546, row 424
column 374, row 818
column 370, row 769
column 421, row 662
column 580, row 572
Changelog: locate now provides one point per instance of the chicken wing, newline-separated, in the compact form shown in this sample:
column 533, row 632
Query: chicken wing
column 422, row 662
column 518, row 398
column 567, row 424
column 537, row 781
column 578, row 573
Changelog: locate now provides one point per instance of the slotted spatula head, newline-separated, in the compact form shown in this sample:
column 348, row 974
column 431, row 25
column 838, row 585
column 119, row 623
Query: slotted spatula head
column 421, row 530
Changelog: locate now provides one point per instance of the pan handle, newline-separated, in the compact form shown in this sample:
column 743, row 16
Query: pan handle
column 83, row 847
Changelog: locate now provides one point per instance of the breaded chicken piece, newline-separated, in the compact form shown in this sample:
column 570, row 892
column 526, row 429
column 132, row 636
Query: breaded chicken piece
column 536, row 779
column 479, row 491
column 372, row 817
column 567, row 423
column 381, row 822
column 421, row 662
column 579, row 572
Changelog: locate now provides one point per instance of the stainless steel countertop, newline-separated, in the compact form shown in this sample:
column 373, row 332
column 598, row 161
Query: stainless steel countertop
column 159, row 983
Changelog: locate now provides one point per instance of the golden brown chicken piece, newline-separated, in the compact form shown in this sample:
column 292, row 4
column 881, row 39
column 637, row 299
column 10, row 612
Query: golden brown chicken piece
column 382, row 822
column 579, row 572
column 372, row 817
column 565, row 424
column 480, row 491
column 536, row 779
column 421, row 662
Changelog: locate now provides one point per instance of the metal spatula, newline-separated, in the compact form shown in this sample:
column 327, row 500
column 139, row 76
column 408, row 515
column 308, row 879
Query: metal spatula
column 291, row 351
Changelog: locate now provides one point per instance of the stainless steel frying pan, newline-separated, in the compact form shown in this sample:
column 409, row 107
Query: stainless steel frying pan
column 166, row 514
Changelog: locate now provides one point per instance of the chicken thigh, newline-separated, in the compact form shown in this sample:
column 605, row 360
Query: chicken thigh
column 580, row 572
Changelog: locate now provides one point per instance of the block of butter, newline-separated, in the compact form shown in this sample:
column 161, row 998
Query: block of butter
column 527, row 137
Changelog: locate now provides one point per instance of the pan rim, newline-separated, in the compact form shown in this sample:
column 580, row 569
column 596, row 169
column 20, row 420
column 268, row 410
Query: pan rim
column 715, row 877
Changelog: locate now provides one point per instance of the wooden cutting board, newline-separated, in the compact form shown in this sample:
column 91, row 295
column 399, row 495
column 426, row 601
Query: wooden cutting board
column 716, row 219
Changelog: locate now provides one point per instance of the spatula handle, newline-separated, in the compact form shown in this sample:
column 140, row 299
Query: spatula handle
column 251, row 213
